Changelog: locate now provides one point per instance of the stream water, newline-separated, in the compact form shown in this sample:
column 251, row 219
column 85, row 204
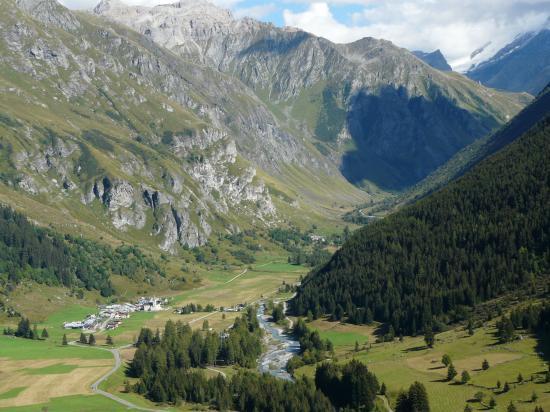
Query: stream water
column 280, row 347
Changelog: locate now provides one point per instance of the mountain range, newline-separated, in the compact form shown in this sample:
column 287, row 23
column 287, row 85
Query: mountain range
column 522, row 65
column 180, row 121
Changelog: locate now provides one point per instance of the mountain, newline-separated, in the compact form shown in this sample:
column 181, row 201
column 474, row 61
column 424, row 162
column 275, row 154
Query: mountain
column 106, row 133
column 434, row 59
column 481, row 236
column 521, row 66
column 472, row 154
column 381, row 115
column 191, row 124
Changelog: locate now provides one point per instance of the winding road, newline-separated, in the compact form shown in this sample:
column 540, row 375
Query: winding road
column 118, row 364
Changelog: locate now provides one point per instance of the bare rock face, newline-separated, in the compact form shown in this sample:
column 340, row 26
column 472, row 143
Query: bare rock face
column 50, row 12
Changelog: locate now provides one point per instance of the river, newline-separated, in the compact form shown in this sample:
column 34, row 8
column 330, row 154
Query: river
column 280, row 347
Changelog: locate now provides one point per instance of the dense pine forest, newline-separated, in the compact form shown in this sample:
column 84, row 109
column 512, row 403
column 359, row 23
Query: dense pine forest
column 180, row 348
column 483, row 235
column 41, row 255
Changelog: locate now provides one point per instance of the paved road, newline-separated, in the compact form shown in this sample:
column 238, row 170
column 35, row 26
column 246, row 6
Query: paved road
column 118, row 363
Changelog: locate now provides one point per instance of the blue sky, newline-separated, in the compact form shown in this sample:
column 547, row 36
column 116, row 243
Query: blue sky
column 456, row 27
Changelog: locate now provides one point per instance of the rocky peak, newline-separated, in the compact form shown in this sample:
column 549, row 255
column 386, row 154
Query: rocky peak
column 434, row 59
column 49, row 12
column 107, row 5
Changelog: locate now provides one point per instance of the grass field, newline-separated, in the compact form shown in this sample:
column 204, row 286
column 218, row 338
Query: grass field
column 35, row 371
column 399, row 364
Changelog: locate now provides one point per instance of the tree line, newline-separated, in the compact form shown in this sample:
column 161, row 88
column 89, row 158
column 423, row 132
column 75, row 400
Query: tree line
column 24, row 330
column 179, row 347
column 167, row 367
column 42, row 255
column 483, row 235
column 533, row 318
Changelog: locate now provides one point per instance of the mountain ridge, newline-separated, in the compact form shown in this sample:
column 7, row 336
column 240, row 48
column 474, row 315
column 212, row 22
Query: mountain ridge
column 292, row 69
column 507, row 69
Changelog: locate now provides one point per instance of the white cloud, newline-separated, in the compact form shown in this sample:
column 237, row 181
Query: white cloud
column 256, row 12
column 457, row 27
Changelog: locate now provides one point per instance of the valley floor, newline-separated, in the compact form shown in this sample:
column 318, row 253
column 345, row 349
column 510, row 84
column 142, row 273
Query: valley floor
column 38, row 374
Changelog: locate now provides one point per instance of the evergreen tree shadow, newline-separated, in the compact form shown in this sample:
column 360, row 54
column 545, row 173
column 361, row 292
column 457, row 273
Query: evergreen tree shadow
column 415, row 349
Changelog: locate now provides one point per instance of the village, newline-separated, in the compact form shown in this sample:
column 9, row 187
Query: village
column 111, row 316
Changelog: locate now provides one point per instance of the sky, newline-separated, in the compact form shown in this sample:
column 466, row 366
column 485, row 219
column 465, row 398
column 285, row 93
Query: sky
column 456, row 27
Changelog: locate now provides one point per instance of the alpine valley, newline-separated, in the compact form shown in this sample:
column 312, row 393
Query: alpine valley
column 205, row 212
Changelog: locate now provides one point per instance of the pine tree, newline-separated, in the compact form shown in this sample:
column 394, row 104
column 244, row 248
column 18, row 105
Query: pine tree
column 23, row 328
column 446, row 360
column 109, row 340
column 506, row 387
column 356, row 346
column 91, row 339
column 418, row 398
column 485, row 364
column 35, row 334
column 468, row 408
column 402, row 403
column 45, row 334
column 383, row 389
column 205, row 325
column 451, row 372
column 520, row 378
column 499, row 384
column 534, row 397
column 64, row 341
column 492, row 403
column 465, row 377
column 83, row 339
column 470, row 327
column 429, row 337
column 511, row 407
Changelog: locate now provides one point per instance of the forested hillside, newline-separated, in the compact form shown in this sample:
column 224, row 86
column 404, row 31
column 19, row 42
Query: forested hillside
column 30, row 252
column 483, row 235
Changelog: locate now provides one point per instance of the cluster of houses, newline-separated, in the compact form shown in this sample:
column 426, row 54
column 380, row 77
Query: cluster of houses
column 89, row 323
column 151, row 304
column 237, row 308
column 111, row 316
column 317, row 238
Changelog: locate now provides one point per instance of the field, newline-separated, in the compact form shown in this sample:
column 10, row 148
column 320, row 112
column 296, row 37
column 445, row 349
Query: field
column 38, row 374
column 398, row 364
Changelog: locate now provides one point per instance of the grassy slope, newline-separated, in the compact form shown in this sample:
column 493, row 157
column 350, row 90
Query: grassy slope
column 399, row 364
